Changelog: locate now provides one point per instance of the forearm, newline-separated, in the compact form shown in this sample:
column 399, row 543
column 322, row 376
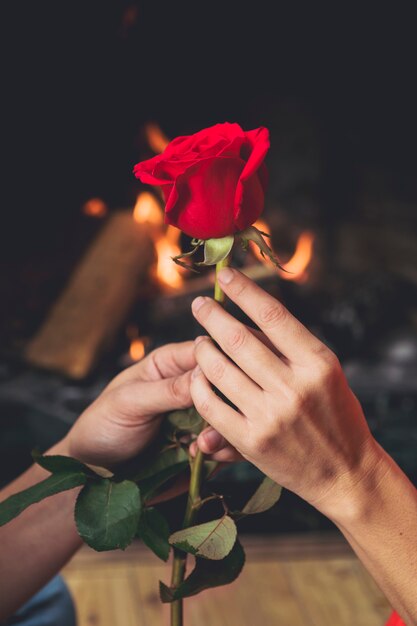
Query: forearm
column 35, row 545
column 380, row 522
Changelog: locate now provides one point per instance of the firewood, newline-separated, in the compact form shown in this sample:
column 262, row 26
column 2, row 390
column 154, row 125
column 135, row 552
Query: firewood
column 97, row 299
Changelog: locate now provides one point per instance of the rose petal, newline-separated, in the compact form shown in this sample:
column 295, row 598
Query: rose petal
column 249, row 202
column 200, row 203
column 259, row 142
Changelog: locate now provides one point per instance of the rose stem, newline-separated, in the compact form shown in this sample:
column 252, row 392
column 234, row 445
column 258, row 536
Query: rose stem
column 180, row 558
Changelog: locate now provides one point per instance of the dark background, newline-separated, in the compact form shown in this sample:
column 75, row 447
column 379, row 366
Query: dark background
column 335, row 86
column 80, row 79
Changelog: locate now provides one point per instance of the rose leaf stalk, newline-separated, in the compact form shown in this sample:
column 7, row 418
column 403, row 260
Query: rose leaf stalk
column 180, row 558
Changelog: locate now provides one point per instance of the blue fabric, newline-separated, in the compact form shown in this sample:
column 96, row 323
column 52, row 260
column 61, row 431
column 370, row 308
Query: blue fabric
column 51, row 606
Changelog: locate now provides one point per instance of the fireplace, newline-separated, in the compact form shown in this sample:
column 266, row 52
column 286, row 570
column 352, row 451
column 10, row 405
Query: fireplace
column 108, row 292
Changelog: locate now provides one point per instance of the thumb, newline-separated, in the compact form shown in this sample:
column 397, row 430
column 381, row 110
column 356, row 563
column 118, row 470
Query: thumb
column 156, row 397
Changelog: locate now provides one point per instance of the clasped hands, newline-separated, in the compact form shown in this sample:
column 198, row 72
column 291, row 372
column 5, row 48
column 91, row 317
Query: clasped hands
column 291, row 411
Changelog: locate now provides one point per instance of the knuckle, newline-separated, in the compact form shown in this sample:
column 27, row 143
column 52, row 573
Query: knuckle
column 239, row 285
column 153, row 363
column 271, row 314
column 327, row 368
column 298, row 403
column 179, row 392
column 202, row 404
column 236, row 339
column 216, row 370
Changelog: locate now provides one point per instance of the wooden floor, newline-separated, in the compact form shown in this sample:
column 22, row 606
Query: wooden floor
column 287, row 581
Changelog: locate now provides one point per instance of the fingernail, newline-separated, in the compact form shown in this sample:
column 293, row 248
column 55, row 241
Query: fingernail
column 213, row 439
column 198, row 303
column 199, row 339
column 196, row 372
column 225, row 275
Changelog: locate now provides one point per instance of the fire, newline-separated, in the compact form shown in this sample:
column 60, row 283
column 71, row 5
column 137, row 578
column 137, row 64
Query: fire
column 156, row 139
column 95, row 207
column 137, row 349
column 167, row 272
column 147, row 210
column 296, row 267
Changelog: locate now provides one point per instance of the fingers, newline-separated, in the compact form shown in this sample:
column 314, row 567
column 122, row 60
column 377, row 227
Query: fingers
column 227, row 378
column 165, row 362
column 213, row 444
column 211, row 408
column 226, row 455
column 156, row 397
column 238, row 342
column 170, row 360
column 283, row 329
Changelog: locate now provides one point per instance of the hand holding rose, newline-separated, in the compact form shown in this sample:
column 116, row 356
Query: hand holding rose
column 127, row 415
column 295, row 418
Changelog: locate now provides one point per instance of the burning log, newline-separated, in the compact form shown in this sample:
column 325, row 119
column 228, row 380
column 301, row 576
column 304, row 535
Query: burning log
column 97, row 299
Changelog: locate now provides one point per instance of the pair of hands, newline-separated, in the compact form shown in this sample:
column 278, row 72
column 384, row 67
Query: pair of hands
column 295, row 417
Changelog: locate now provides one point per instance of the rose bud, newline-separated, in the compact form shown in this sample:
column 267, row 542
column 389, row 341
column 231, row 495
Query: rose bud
column 214, row 181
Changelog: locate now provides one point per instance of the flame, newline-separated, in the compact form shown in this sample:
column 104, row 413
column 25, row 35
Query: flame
column 156, row 139
column 296, row 267
column 95, row 207
column 137, row 349
column 147, row 210
column 167, row 272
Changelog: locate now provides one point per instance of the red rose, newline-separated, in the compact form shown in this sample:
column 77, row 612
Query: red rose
column 214, row 181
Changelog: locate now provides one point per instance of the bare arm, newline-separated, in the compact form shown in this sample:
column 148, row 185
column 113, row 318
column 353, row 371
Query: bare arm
column 117, row 426
column 35, row 545
column 298, row 421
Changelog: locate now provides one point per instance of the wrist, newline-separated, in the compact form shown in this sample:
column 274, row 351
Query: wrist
column 353, row 498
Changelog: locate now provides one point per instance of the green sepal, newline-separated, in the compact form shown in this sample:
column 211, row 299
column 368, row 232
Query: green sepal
column 211, row 540
column 196, row 243
column 107, row 513
column 153, row 529
column 15, row 504
column 216, row 250
column 207, row 574
column 257, row 236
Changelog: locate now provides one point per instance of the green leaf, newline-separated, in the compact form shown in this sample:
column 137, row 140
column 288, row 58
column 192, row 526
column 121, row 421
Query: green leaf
column 57, row 463
column 207, row 574
column 216, row 250
column 151, row 485
column 266, row 495
column 153, row 529
column 186, row 420
column 212, row 540
column 56, row 483
column 107, row 513
column 161, row 461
